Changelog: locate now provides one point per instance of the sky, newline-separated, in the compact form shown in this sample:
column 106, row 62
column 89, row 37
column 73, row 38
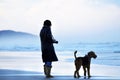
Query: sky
column 72, row 20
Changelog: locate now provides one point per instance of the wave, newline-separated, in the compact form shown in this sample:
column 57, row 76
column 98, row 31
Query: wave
column 20, row 49
column 34, row 45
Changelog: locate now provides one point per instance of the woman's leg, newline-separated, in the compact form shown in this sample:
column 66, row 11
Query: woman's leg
column 48, row 64
column 47, row 69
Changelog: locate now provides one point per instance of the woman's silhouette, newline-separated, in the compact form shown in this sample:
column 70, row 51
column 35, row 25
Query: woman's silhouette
column 48, row 51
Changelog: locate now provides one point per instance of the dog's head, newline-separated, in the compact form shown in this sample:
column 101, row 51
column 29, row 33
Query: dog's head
column 92, row 54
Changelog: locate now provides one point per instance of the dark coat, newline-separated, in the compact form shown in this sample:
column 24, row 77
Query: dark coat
column 48, row 52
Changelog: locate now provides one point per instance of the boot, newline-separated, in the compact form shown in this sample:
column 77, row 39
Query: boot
column 48, row 72
column 45, row 70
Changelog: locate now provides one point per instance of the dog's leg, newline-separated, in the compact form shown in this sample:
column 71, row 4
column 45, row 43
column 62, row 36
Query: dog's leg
column 84, row 71
column 76, row 73
column 78, row 68
column 88, row 69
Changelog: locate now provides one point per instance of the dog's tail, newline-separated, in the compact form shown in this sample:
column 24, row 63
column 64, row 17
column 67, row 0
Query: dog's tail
column 75, row 54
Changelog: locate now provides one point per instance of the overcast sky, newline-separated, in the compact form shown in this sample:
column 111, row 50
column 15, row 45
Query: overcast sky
column 72, row 20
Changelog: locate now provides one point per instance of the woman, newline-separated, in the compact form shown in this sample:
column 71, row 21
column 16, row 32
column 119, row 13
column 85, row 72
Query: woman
column 48, row 52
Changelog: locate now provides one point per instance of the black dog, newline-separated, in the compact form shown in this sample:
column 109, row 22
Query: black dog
column 83, row 61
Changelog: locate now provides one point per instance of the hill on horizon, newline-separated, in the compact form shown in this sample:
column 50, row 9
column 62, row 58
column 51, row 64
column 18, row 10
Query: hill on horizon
column 18, row 41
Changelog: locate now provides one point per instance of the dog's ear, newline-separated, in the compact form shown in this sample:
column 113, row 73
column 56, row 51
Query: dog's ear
column 92, row 54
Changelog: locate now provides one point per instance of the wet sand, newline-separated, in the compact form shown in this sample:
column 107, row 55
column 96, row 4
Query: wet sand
column 6, row 74
column 29, row 66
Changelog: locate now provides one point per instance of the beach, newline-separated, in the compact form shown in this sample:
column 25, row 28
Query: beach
column 29, row 66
